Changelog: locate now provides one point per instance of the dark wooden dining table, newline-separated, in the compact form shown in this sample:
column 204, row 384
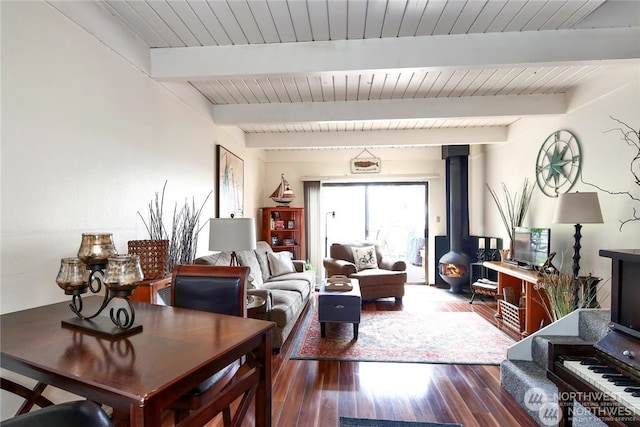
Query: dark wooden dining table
column 142, row 373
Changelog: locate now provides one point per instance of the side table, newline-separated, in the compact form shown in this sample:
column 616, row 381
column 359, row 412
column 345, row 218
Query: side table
column 254, row 304
column 148, row 290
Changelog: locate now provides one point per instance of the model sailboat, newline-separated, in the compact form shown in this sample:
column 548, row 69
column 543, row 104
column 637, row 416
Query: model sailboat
column 283, row 195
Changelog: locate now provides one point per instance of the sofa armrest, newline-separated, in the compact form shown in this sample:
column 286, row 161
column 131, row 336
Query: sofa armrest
column 300, row 265
column 339, row 266
column 392, row 264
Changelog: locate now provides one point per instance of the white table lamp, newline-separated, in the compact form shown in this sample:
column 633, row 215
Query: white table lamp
column 232, row 234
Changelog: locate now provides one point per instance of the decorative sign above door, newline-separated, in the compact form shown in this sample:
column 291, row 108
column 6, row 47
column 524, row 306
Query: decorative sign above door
column 365, row 162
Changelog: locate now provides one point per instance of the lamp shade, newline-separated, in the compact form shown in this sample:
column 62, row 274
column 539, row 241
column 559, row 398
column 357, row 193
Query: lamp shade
column 232, row 234
column 578, row 208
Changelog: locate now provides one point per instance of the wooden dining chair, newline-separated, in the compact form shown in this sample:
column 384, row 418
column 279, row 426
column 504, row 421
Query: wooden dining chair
column 217, row 289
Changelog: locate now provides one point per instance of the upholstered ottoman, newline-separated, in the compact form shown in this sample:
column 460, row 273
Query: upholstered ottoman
column 342, row 307
column 377, row 283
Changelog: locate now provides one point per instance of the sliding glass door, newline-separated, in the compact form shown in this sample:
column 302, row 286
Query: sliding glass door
column 392, row 214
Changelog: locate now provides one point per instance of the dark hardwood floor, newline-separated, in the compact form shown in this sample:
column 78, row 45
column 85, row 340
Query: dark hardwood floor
column 312, row 393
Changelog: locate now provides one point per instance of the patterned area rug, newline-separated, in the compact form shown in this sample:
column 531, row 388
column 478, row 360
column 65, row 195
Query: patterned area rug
column 401, row 336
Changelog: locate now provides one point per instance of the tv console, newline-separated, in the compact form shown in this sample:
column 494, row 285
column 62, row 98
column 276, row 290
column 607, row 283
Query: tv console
column 522, row 283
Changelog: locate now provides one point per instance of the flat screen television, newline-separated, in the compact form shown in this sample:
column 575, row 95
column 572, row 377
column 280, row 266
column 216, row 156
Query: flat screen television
column 531, row 246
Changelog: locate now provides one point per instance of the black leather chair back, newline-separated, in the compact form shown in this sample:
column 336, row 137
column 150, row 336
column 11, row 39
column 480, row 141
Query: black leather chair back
column 72, row 414
column 216, row 289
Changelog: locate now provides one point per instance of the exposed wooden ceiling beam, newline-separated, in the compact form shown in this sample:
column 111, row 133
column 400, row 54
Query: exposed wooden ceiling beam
column 560, row 47
column 393, row 109
column 402, row 138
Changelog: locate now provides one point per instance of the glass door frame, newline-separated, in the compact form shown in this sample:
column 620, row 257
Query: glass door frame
column 367, row 185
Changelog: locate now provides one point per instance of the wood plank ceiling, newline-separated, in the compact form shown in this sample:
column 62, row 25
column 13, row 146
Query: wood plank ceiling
column 306, row 66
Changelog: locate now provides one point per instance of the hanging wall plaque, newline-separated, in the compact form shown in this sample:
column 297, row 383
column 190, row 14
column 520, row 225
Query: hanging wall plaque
column 365, row 162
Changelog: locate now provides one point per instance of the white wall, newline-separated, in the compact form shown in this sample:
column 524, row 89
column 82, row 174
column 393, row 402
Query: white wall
column 606, row 163
column 87, row 140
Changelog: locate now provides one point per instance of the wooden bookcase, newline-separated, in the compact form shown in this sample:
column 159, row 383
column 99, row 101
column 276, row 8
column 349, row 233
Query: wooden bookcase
column 283, row 229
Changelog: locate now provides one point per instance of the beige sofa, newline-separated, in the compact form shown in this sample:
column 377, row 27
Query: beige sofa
column 384, row 278
column 286, row 294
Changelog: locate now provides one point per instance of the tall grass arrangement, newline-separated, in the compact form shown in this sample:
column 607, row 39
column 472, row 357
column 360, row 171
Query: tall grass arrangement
column 183, row 234
column 513, row 207
column 183, row 243
column 560, row 290
column 563, row 292
column 154, row 224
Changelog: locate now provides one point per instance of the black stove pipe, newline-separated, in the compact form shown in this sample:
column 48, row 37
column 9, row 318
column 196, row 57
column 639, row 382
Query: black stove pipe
column 457, row 189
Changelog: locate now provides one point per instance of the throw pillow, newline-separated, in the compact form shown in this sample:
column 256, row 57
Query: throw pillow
column 262, row 248
column 365, row 257
column 248, row 259
column 251, row 284
column 280, row 263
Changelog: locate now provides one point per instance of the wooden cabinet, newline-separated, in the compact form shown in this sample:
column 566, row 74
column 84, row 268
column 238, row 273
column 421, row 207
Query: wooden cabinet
column 283, row 229
column 531, row 301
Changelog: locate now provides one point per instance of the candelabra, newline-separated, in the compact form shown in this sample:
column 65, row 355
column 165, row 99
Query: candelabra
column 98, row 263
column 481, row 255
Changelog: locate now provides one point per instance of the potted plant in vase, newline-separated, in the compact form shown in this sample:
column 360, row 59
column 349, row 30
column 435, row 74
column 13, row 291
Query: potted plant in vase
column 153, row 252
column 514, row 207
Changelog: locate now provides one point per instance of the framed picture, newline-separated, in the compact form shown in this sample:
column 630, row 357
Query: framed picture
column 275, row 215
column 291, row 224
column 275, row 241
column 230, row 184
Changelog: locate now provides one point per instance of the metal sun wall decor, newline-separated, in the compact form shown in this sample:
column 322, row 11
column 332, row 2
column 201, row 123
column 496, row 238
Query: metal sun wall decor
column 558, row 164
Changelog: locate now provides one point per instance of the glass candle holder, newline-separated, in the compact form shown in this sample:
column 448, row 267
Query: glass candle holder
column 123, row 274
column 72, row 276
column 96, row 248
